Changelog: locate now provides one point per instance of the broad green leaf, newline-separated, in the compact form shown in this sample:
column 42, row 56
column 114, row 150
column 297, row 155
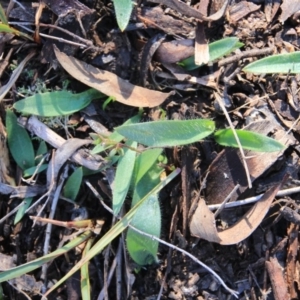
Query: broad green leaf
column 34, row 264
column 30, row 171
column 146, row 176
column 73, row 183
column 142, row 249
column 168, row 133
column 56, row 103
column 248, row 139
column 21, row 212
column 123, row 176
column 217, row 50
column 118, row 228
column 19, row 142
column 123, row 9
column 280, row 63
column 3, row 18
column 115, row 137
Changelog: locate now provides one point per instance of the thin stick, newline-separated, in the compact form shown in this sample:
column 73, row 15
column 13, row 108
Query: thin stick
column 234, row 293
column 49, row 225
column 207, row 268
column 281, row 193
column 218, row 98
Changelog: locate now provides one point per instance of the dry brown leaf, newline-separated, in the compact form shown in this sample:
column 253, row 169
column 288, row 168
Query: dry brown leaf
column 202, row 223
column 288, row 8
column 110, row 84
column 241, row 9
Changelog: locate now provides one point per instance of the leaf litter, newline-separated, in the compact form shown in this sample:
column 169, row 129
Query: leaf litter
column 109, row 64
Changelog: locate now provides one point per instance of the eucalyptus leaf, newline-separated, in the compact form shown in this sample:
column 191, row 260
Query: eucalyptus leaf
column 280, row 63
column 123, row 176
column 21, row 212
column 142, row 249
column 73, row 183
column 58, row 103
column 168, row 133
column 217, row 50
column 248, row 139
column 123, row 9
column 19, row 142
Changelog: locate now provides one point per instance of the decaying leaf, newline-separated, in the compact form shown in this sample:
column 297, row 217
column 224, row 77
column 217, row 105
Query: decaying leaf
column 110, row 84
column 202, row 223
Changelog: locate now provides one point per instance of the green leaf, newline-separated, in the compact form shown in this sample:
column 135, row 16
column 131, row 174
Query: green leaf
column 168, row 133
column 123, row 9
column 3, row 18
column 30, row 171
column 42, row 149
column 146, row 176
column 21, row 212
column 217, row 50
column 123, row 176
column 115, row 137
column 119, row 227
column 19, row 142
column 73, row 183
column 35, row 264
column 280, row 63
column 56, row 103
column 249, row 140
column 8, row 29
column 142, row 249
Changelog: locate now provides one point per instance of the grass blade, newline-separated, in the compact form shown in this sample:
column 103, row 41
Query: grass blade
column 30, row 266
column 118, row 228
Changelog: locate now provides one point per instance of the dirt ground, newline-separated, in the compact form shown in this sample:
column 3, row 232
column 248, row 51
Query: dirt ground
column 257, row 257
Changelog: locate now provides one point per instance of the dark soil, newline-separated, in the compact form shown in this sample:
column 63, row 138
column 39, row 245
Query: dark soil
column 257, row 265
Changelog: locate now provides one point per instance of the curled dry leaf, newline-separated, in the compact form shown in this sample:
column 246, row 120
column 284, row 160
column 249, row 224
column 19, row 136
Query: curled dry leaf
column 202, row 223
column 110, row 84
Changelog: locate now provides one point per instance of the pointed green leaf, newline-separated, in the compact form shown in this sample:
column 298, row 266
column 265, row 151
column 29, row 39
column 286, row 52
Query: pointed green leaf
column 123, row 9
column 249, row 140
column 73, row 183
column 168, row 133
column 217, row 50
column 142, row 249
column 56, row 103
column 280, row 63
column 118, row 228
column 21, row 212
column 123, row 176
column 3, row 18
column 19, row 142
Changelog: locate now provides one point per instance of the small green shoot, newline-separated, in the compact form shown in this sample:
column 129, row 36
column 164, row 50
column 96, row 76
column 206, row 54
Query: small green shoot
column 21, row 212
column 3, row 18
column 18, row 138
column 73, row 183
column 123, row 9
column 217, row 50
column 280, row 63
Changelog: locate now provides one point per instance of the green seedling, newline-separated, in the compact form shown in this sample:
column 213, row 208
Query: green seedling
column 217, row 50
column 123, row 9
